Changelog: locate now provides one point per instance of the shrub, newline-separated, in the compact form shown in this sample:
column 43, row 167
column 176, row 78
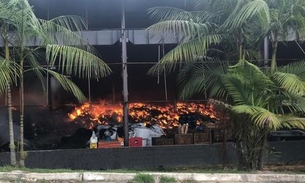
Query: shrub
column 143, row 178
column 165, row 179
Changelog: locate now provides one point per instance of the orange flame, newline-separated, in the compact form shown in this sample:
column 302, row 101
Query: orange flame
column 166, row 116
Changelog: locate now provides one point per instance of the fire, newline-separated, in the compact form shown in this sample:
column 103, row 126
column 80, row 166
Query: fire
column 167, row 116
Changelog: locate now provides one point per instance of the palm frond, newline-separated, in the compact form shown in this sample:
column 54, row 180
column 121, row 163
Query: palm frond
column 198, row 77
column 291, row 121
column 54, row 33
column 244, row 12
column 221, row 9
column 251, row 74
column 70, row 22
column 295, row 103
column 199, row 4
column 25, row 20
column 68, row 85
column 260, row 116
column 219, row 90
column 246, row 83
column 290, row 82
column 185, row 52
column 36, row 68
column 162, row 13
column 8, row 72
column 181, row 30
column 165, row 13
column 296, row 68
column 191, row 79
column 241, row 94
column 75, row 61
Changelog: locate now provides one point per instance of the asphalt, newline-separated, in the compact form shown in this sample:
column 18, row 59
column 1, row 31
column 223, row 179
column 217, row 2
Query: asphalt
column 262, row 177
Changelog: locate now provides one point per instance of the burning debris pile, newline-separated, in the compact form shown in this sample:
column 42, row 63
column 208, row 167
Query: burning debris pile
column 46, row 129
column 166, row 116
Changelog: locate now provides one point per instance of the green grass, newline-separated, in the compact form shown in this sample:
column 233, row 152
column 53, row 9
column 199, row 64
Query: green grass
column 143, row 178
column 176, row 169
column 195, row 169
column 166, row 179
column 182, row 169
column 38, row 170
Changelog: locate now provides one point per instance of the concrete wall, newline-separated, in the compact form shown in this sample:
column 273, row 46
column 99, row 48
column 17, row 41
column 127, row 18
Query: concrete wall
column 149, row 157
column 289, row 151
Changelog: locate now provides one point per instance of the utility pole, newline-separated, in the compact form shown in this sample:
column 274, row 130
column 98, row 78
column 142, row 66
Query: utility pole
column 125, row 77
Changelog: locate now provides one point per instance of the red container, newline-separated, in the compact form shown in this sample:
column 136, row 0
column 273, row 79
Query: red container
column 135, row 142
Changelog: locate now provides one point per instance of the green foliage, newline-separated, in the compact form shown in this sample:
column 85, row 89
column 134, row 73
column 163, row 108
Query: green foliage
column 60, row 37
column 143, row 178
column 8, row 73
column 212, row 23
column 260, row 100
column 59, row 44
column 166, row 179
column 265, row 100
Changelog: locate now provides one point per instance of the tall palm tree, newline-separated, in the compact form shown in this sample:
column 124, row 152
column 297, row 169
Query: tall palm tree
column 265, row 101
column 12, row 146
column 200, row 29
column 286, row 16
column 64, row 49
column 4, row 33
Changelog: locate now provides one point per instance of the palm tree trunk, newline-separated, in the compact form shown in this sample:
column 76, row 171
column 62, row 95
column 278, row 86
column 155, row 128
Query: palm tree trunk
column 273, row 58
column 240, row 45
column 260, row 163
column 224, row 148
column 21, row 93
column 11, row 127
column 10, row 113
column 225, row 138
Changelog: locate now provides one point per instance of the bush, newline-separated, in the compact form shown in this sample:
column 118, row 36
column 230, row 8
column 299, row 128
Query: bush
column 165, row 179
column 143, row 178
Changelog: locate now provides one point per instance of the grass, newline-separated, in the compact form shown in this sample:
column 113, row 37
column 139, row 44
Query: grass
column 143, row 178
column 166, row 179
column 182, row 169
column 37, row 170
column 280, row 168
column 196, row 169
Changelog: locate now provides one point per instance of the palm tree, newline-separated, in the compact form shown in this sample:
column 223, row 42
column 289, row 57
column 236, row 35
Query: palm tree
column 210, row 26
column 271, row 101
column 260, row 101
column 286, row 16
column 10, row 113
column 63, row 48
